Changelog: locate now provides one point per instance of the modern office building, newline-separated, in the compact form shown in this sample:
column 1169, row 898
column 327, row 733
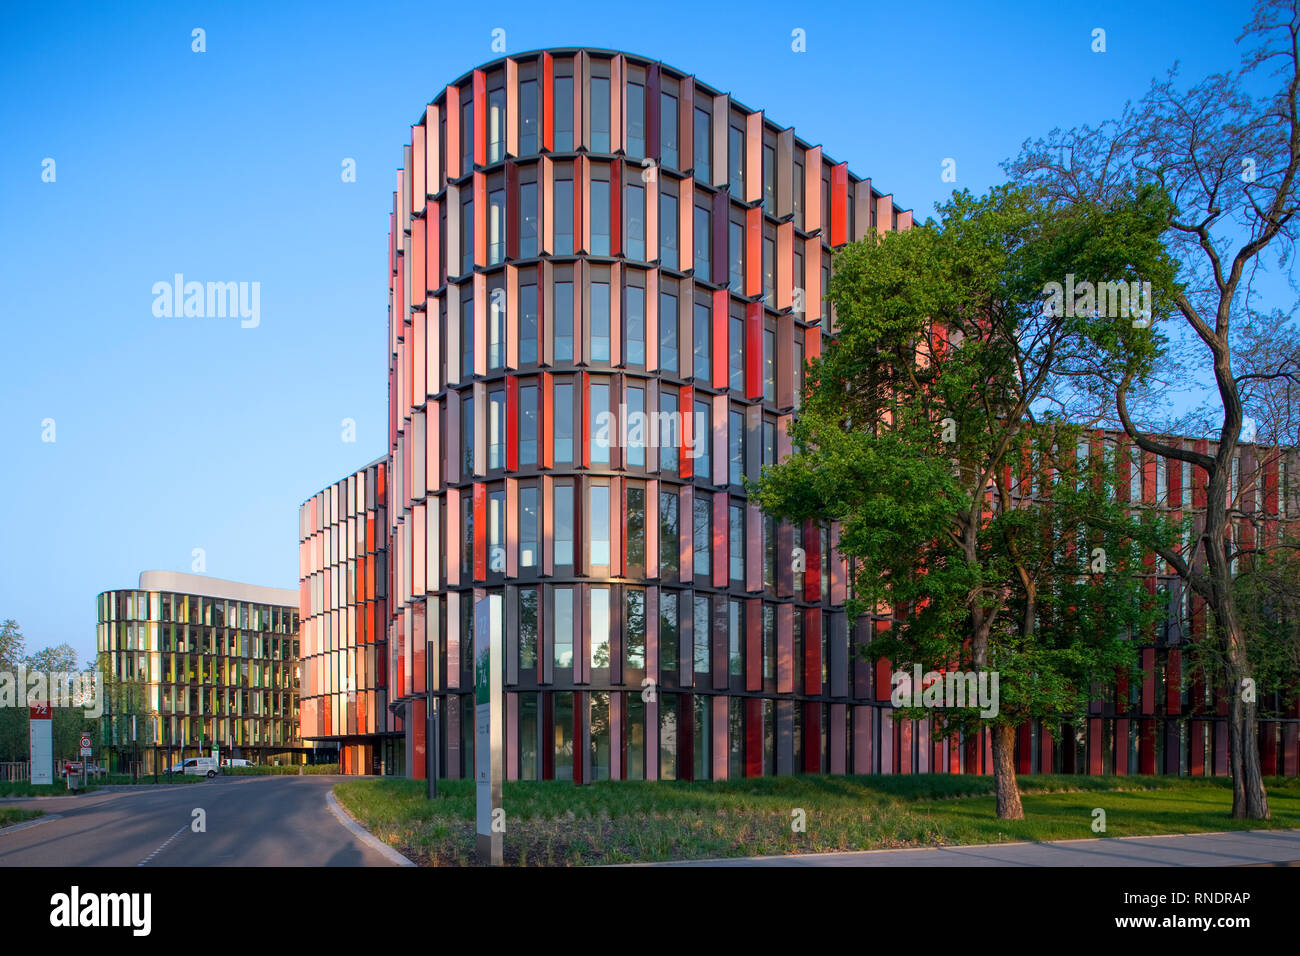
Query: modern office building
column 605, row 279
column 202, row 664
column 343, row 600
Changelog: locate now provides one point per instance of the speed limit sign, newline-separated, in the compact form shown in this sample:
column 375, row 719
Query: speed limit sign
column 86, row 748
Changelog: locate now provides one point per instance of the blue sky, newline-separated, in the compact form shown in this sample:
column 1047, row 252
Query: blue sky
column 176, row 434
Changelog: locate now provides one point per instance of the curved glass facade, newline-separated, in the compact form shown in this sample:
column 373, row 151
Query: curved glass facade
column 606, row 278
column 343, row 597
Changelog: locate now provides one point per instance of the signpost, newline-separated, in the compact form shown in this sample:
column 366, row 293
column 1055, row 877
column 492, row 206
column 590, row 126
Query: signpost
column 489, row 724
column 87, row 748
column 42, row 745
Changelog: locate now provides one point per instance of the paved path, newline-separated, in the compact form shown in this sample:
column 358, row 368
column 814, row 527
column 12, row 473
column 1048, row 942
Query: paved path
column 1236, row 848
column 251, row 821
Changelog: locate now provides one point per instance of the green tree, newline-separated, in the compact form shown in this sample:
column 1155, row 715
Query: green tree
column 926, row 431
column 11, row 644
column 1226, row 153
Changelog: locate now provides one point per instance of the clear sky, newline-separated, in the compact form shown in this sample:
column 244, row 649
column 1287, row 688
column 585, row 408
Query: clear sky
column 172, row 435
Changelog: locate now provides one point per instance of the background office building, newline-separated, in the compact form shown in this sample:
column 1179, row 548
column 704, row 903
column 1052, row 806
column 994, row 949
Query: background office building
column 583, row 234
column 203, row 664
column 343, row 598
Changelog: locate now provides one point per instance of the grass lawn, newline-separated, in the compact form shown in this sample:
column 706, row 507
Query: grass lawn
column 11, row 815
column 556, row 824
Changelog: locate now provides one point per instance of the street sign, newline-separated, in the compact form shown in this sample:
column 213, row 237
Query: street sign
column 87, row 748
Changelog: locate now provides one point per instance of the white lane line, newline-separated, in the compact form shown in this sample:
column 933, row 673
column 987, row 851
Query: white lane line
column 30, row 823
column 164, row 846
column 362, row 834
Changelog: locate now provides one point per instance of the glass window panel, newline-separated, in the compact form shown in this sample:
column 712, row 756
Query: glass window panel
column 599, row 627
column 668, row 231
column 563, row 114
column 599, row 217
column 669, row 534
column 669, row 438
column 563, row 627
column 497, row 429
column 599, row 427
column 703, row 147
column 736, row 362
column 528, row 425
column 635, row 530
column 600, row 321
column 599, row 523
column 634, row 211
column 736, row 541
column 600, row 114
column 700, row 239
column 527, row 220
column 564, row 217
column 637, row 437
column 562, row 323
column 528, row 325
column 529, row 526
column 635, row 120
column 736, row 448
column 736, row 161
column 635, row 345
column 668, row 131
column 563, row 513
column 668, row 332
column 496, row 125
column 703, row 441
column 496, row 226
column 563, row 450
column 528, row 117
column 703, row 531
column 769, row 365
column 700, row 636
column 703, row 332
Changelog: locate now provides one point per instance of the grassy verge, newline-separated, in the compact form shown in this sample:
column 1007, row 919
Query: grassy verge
column 554, row 824
column 124, row 779
column 22, row 788
column 11, row 815
column 261, row 771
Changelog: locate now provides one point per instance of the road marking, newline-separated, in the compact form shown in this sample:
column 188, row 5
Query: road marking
column 31, row 823
column 164, row 846
column 362, row 834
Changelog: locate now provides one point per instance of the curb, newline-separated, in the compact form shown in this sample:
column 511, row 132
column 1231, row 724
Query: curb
column 733, row 860
column 44, row 818
column 360, row 832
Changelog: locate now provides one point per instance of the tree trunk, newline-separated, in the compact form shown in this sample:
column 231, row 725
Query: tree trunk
column 1004, row 773
column 1249, row 798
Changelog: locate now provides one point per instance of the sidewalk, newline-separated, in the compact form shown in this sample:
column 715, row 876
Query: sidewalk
column 1232, row 848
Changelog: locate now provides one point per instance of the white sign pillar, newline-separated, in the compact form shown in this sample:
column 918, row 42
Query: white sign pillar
column 42, row 745
column 489, row 727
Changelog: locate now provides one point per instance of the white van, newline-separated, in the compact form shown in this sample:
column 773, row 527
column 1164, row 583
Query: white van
column 201, row 766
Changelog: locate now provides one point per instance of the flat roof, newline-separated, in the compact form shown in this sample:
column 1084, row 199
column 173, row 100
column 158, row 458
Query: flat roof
column 201, row 584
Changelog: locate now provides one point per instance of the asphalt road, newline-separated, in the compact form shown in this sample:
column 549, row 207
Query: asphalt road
column 250, row 821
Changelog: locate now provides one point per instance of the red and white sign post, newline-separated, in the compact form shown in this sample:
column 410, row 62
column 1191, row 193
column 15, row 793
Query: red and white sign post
column 42, row 745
